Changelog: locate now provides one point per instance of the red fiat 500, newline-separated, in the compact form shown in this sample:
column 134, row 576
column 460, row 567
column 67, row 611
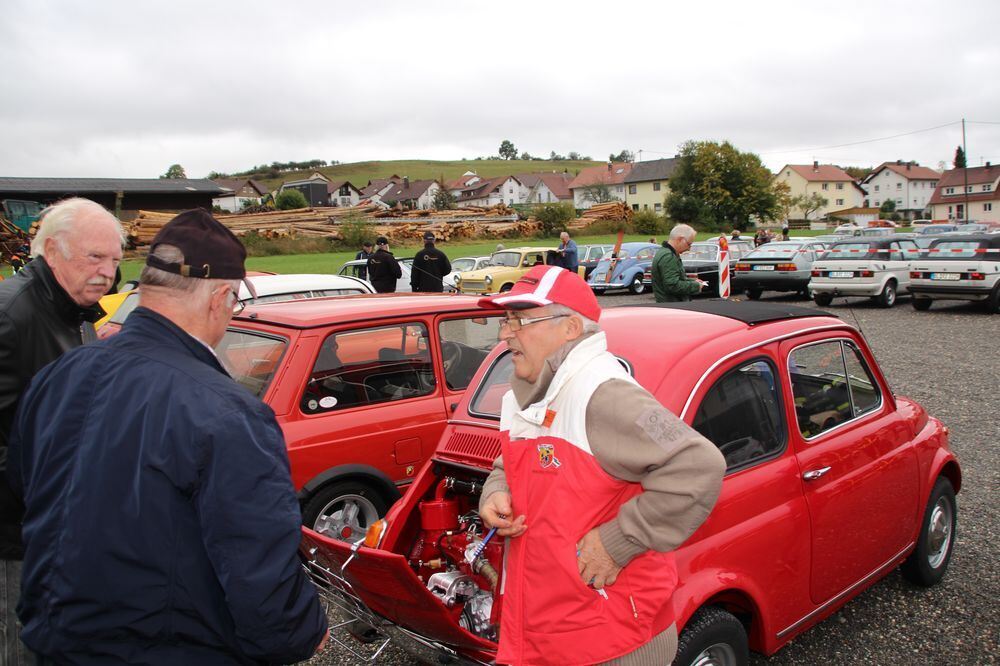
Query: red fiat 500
column 362, row 387
column 832, row 482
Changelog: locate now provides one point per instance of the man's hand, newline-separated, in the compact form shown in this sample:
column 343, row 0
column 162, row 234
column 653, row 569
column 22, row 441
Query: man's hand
column 322, row 643
column 495, row 512
column 595, row 565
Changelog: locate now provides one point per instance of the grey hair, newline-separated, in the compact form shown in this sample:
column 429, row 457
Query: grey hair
column 589, row 325
column 63, row 217
column 684, row 231
column 179, row 284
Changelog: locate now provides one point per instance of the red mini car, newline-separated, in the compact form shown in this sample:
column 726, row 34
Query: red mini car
column 362, row 387
column 832, row 482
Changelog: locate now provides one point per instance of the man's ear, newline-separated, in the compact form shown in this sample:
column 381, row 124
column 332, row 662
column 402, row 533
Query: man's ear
column 574, row 327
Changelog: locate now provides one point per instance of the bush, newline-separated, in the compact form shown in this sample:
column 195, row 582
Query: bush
column 554, row 217
column 290, row 199
column 354, row 231
column 648, row 222
column 258, row 246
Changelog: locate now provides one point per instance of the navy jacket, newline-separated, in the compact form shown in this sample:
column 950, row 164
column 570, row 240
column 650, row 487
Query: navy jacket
column 161, row 525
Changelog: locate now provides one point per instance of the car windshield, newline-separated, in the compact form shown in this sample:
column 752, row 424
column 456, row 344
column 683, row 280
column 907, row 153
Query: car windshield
column 622, row 254
column 510, row 259
column 251, row 358
column 702, row 252
column 489, row 394
column 784, row 250
column 848, row 251
column 460, row 265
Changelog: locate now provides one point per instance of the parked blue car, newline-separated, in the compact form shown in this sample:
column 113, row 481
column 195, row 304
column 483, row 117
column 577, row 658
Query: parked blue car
column 626, row 269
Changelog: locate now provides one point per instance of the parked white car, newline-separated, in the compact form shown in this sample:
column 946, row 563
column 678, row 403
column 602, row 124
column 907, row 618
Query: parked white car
column 878, row 268
column 461, row 265
column 963, row 268
column 276, row 288
column 353, row 268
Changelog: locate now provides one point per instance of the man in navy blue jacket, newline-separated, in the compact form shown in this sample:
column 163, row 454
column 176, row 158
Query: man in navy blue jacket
column 161, row 525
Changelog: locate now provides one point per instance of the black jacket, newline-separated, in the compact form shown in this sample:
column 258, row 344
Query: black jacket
column 38, row 322
column 383, row 271
column 429, row 266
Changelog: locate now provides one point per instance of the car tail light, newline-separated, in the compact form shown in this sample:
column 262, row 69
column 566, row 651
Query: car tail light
column 916, row 275
column 786, row 267
column 866, row 273
column 374, row 535
column 976, row 276
column 817, row 273
column 741, row 267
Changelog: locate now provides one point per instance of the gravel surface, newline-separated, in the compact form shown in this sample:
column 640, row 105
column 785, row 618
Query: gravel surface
column 947, row 360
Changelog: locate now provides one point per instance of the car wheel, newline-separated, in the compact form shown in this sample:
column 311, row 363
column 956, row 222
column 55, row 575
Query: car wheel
column 343, row 511
column 993, row 302
column 712, row 637
column 636, row 286
column 506, row 287
column 927, row 563
column 823, row 300
column 921, row 303
column 888, row 296
column 754, row 294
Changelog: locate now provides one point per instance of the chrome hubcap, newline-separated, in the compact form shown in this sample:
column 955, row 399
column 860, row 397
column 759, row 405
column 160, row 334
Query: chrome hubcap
column 890, row 296
column 939, row 533
column 720, row 654
column 346, row 518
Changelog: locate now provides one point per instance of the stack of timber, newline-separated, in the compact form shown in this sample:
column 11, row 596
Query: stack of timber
column 615, row 211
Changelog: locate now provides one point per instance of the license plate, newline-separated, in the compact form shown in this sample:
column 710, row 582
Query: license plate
column 841, row 274
column 763, row 267
column 946, row 276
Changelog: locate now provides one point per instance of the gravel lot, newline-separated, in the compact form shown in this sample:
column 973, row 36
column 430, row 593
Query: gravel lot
column 947, row 360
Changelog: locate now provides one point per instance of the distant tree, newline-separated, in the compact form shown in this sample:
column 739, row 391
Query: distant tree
column 215, row 175
column 598, row 193
column 526, row 156
column 289, row 199
column 624, row 156
column 507, row 150
column 858, row 173
column 887, row 208
column 556, row 156
column 554, row 217
column 175, row 171
column 573, row 155
column 808, row 203
column 443, row 199
column 716, row 186
column 959, row 161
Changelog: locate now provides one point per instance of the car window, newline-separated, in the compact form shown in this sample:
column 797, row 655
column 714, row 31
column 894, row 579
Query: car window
column 910, row 249
column 509, row 259
column 464, row 345
column 533, row 259
column 847, row 251
column 829, row 386
column 251, row 358
column 352, row 270
column 622, row 254
column 775, row 251
column 370, row 366
column 895, row 254
column 460, row 265
column 645, row 253
column 956, row 249
column 741, row 414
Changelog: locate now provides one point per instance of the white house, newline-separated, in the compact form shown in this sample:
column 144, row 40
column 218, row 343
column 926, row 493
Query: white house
column 417, row 194
column 599, row 180
column 831, row 182
column 908, row 184
column 545, row 187
column 343, row 193
column 241, row 192
column 975, row 187
column 503, row 189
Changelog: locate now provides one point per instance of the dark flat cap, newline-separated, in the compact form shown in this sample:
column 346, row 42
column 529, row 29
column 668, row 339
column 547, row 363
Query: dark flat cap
column 381, row 240
column 429, row 236
column 210, row 249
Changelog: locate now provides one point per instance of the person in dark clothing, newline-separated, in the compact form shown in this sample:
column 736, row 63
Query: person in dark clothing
column 429, row 267
column 364, row 253
column 46, row 309
column 670, row 281
column 569, row 252
column 383, row 269
column 165, row 484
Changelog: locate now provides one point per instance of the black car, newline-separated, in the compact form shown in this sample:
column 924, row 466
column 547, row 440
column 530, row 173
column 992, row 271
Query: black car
column 589, row 255
column 702, row 262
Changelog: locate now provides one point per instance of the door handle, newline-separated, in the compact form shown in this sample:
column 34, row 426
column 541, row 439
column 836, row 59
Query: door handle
column 814, row 474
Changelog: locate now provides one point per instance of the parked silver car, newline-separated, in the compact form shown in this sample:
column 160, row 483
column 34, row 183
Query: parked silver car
column 777, row 266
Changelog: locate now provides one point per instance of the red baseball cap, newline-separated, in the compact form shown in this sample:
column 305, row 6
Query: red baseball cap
column 546, row 285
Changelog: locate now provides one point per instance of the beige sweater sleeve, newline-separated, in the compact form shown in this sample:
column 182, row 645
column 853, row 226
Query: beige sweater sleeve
column 634, row 438
column 496, row 481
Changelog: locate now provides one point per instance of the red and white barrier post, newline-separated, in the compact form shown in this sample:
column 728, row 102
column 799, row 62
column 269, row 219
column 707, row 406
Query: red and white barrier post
column 723, row 267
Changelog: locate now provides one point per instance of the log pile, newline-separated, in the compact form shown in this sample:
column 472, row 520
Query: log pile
column 615, row 211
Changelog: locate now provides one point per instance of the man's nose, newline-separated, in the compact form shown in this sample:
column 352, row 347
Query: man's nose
column 505, row 334
column 107, row 269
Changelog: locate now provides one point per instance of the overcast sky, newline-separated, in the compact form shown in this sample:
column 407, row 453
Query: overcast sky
column 125, row 88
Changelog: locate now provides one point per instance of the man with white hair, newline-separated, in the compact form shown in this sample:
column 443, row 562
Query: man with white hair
column 46, row 309
column 569, row 253
column 596, row 484
column 161, row 525
column 670, row 281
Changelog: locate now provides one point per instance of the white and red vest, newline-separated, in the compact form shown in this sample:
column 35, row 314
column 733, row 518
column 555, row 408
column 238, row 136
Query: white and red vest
column 550, row 615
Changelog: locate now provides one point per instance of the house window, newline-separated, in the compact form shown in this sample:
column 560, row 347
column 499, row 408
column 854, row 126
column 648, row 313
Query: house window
column 826, row 186
column 876, row 188
column 949, row 190
column 657, row 207
column 987, row 188
column 840, row 186
column 631, row 189
column 987, row 207
column 968, row 189
column 619, row 189
column 656, row 187
column 899, row 186
column 635, row 206
column 840, row 202
column 899, row 201
column 645, row 206
column 877, row 204
column 510, row 190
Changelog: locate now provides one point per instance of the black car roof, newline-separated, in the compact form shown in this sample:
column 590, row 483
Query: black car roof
column 749, row 312
column 881, row 241
column 985, row 240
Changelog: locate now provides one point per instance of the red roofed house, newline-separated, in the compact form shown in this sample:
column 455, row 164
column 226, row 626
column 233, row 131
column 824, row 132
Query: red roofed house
column 833, row 183
column 979, row 186
column 465, row 181
column 545, row 187
column 343, row 193
column 502, row 189
column 377, row 186
column 907, row 183
column 593, row 182
column 411, row 193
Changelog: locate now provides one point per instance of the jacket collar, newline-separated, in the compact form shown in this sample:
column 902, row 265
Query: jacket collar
column 39, row 271
column 575, row 361
column 149, row 324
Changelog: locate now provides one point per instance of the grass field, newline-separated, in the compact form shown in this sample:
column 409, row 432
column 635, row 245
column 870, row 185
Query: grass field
column 359, row 173
column 332, row 261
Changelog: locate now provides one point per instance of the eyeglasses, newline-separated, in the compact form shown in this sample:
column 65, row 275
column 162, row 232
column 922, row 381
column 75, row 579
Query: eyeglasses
column 517, row 323
column 237, row 304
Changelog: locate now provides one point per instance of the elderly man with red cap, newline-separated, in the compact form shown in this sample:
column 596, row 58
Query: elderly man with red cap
column 161, row 525
column 596, row 484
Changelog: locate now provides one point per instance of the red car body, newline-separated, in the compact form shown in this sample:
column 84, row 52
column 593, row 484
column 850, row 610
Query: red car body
column 365, row 449
column 794, row 534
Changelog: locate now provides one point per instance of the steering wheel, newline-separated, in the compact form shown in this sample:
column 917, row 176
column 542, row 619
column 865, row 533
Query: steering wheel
column 451, row 355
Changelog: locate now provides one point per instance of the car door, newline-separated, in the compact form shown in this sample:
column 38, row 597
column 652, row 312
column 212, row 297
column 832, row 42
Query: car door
column 859, row 474
column 462, row 342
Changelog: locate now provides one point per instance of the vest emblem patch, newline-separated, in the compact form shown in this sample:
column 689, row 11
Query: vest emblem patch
column 547, row 456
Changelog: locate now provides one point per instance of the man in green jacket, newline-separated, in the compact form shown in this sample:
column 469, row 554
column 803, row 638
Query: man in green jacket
column 670, row 282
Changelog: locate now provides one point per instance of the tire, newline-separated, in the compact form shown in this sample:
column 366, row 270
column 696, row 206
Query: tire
column 921, row 304
column 636, row 286
column 993, row 302
column 823, row 300
column 713, row 636
column 754, row 293
column 928, row 562
column 887, row 298
column 507, row 287
column 343, row 510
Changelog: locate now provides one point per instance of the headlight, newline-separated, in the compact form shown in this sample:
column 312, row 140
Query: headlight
column 458, row 278
column 489, row 280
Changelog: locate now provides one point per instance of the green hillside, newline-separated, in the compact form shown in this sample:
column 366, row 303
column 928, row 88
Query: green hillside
column 359, row 173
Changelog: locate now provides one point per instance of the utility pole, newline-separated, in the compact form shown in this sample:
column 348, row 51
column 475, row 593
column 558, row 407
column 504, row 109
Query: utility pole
column 965, row 176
